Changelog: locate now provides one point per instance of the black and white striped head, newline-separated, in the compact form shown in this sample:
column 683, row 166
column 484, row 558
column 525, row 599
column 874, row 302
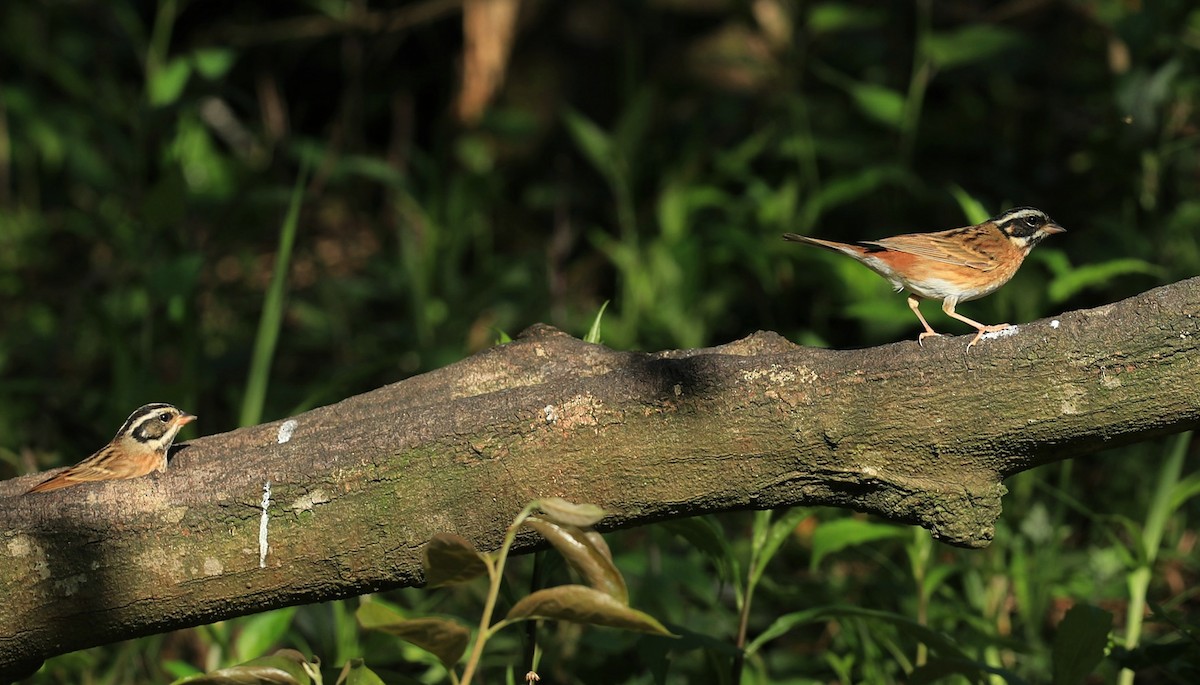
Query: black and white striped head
column 154, row 426
column 1026, row 226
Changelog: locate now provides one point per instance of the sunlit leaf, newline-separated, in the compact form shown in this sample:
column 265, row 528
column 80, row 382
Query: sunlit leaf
column 285, row 667
column 937, row 575
column 672, row 210
column 270, row 320
column 829, row 17
column 355, row 673
column 1184, row 490
column 261, row 632
column 449, row 559
column 597, row 541
column 580, row 604
column 213, row 63
column 971, row 207
column 1079, row 643
column 595, row 566
column 440, row 637
column 880, row 103
column 839, row 534
column 561, row 511
column 1067, row 285
column 593, row 334
column 167, row 84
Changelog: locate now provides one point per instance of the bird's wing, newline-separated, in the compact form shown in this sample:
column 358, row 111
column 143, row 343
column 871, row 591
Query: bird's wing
column 95, row 467
column 958, row 246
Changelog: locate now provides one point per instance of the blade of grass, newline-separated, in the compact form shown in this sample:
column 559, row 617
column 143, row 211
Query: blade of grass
column 1138, row 580
column 272, row 313
column 593, row 334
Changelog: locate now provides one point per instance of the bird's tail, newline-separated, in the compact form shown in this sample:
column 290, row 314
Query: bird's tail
column 61, row 480
column 845, row 248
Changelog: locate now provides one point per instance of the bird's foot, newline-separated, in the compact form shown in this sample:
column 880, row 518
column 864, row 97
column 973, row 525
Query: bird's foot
column 986, row 329
column 927, row 334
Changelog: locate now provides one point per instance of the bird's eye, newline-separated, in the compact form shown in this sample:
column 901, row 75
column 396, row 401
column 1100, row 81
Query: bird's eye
column 1032, row 221
column 164, row 417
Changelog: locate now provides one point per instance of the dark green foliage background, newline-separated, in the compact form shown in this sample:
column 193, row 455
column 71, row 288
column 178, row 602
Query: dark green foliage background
column 647, row 153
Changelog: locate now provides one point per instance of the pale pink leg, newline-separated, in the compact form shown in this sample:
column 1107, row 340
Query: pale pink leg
column 914, row 303
column 948, row 307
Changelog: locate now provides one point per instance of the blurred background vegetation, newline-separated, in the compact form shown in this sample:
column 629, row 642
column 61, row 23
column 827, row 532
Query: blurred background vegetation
column 647, row 152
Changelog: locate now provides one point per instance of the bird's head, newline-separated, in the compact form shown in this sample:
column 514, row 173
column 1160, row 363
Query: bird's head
column 1026, row 226
column 154, row 426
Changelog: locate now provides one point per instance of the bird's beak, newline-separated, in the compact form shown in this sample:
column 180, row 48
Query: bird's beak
column 185, row 419
column 1053, row 228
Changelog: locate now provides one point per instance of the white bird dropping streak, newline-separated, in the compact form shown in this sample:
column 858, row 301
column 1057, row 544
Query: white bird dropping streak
column 262, row 525
column 285, row 431
column 1002, row 333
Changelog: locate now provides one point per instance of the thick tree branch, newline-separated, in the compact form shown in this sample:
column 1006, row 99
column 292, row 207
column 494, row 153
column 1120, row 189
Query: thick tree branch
column 911, row 434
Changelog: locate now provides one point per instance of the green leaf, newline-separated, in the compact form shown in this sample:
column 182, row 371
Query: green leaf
column 355, row 673
column 839, row 534
column 450, row 559
column 762, row 525
column 593, row 564
column 937, row 668
column 560, row 510
column 937, row 575
column 1065, row 286
column 971, row 208
column 1079, row 643
column 628, row 136
column 593, row 334
column 167, row 84
column 830, row 17
column 936, row 641
column 595, row 144
column 703, row 533
column 580, row 604
column 779, row 531
column 261, row 632
column 843, row 190
column 784, row 624
column 880, row 103
column 1184, row 490
column 213, row 63
column 672, row 211
column 285, row 667
column 270, row 321
column 368, row 168
column 597, row 541
column 973, row 43
column 440, row 637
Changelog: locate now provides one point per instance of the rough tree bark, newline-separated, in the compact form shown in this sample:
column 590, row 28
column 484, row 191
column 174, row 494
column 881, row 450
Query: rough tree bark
column 922, row 435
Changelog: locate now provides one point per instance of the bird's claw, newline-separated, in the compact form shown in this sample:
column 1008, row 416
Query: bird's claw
column 986, row 329
column 926, row 334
